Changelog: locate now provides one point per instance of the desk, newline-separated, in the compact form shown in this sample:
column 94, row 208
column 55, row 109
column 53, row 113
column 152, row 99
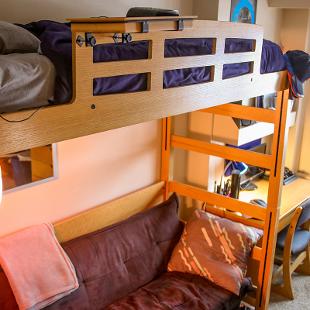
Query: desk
column 293, row 194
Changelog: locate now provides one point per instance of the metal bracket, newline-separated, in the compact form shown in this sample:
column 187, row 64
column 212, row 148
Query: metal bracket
column 125, row 37
column 180, row 24
column 89, row 40
column 145, row 26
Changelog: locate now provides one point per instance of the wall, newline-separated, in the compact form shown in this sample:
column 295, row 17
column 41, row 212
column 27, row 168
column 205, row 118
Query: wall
column 295, row 35
column 269, row 18
column 92, row 169
column 29, row 10
column 304, row 163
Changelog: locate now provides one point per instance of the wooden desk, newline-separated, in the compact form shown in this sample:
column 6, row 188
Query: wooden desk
column 293, row 194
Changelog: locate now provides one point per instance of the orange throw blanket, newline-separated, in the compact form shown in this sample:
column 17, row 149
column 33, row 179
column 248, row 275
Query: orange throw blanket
column 38, row 269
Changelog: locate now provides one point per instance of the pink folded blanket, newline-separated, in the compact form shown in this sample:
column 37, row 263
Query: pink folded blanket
column 38, row 269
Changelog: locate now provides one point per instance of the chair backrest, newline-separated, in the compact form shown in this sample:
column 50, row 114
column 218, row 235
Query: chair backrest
column 305, row 214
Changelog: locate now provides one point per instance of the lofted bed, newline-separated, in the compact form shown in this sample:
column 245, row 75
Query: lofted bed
column 88, row 114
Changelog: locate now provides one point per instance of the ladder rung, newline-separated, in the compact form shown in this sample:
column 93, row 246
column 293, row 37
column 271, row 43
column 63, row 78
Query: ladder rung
column 226, row 152
column 218, row 200
column 243, row 112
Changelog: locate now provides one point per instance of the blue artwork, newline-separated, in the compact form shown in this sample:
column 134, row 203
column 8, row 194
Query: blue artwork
column 243, row 11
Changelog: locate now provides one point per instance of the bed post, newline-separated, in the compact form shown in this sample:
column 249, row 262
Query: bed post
column 274, row 200
column 165, row 155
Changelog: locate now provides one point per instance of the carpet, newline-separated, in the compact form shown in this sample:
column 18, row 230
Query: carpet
column 301, row 290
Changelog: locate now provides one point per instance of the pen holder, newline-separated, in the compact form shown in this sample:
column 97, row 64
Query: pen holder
column 235, row 184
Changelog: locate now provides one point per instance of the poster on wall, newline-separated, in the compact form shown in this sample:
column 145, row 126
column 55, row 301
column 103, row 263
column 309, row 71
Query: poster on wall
column 243, row 11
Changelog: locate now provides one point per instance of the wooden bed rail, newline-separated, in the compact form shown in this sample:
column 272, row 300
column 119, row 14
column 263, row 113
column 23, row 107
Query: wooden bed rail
column 246, row 213
column 89, row 114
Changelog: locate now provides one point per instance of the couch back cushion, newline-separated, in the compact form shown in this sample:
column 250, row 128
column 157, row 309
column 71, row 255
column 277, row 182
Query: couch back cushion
column 115, row 261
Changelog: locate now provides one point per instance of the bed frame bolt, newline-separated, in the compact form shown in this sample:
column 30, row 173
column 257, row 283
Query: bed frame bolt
column 93, row 106
column 89, row 40
column 180, row 24
column 125, row 37
column 145, row 26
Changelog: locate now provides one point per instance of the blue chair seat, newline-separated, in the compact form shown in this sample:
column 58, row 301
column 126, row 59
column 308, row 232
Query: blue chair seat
column 300, row 241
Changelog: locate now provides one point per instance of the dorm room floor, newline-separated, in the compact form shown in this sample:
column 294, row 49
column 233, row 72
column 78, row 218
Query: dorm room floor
column 301, row 286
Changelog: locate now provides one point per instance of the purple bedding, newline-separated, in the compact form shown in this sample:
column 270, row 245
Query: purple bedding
column 56, row 45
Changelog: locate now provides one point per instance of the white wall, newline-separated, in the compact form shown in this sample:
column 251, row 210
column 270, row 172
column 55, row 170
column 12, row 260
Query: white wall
column 92, row 169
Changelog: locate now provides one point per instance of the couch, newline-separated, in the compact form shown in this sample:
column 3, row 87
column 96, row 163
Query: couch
column 124, row 266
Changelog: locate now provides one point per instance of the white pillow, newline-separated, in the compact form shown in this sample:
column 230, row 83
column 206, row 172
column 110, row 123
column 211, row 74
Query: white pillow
column 15, row 39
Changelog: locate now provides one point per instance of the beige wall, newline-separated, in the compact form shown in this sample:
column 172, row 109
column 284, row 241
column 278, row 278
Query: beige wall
column 294, row 35
column 304, row 164
column 92, row 169
column 29, row 10
column 206, row 9
column 269, row 18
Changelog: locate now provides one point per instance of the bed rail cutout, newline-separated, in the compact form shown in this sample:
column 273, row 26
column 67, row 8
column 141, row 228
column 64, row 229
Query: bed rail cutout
column 188, row 76
column 129, row 83
column 237, row 69
column 134, row 50
column 237, row 45
column 181, row 47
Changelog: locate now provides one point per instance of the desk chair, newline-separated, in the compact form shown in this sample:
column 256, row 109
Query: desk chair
column 293, row 250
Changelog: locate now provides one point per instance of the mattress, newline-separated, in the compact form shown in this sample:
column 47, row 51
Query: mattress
column 56, row 45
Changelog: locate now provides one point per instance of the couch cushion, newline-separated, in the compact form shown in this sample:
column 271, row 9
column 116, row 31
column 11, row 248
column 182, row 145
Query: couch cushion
column 174, row 290
column 117, row 260
column 7, row 299
column 300, row 241
column 305, row 214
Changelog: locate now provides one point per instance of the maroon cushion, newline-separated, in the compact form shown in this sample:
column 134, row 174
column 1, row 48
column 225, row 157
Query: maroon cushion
column 7, row 299
column 174, row 290
column 119, row 259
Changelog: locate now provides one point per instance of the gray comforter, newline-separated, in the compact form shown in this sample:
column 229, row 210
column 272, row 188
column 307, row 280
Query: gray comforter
column 26, row 81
